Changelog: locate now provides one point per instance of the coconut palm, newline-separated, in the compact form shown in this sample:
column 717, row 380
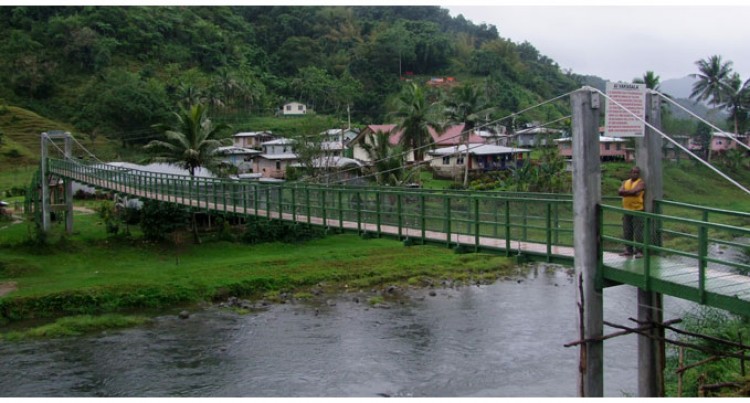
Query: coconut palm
column 650, row 79
column 414, row 116
column 192, row 143
column 736, row 99
column 712, row 76
column 466, row 105
column 388, row 161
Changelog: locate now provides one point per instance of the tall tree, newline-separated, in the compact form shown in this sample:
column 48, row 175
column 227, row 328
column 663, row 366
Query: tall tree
column 736, row 99
column 388, row 161
column 466, row 105
column 650, row 79
column 192, row 142
column 414, row 115
column 713, row 73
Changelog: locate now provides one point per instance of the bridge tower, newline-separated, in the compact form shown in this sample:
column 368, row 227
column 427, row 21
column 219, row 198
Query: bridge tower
column 651, row 358
column 587, row 195
column 586, row 198
column 47, row 206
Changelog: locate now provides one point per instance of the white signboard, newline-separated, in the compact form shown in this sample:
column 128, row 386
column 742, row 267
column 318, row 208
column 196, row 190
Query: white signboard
column 619, row 122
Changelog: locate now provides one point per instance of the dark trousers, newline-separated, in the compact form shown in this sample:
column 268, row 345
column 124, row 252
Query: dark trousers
column 632, row 229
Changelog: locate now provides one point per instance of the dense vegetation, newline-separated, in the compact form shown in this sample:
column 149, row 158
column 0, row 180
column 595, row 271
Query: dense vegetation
column 116, row 71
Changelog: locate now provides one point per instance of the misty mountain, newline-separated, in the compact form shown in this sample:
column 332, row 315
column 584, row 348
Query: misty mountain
column 678, row 87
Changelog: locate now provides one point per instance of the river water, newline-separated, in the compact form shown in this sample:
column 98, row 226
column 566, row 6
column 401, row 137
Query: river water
column 504, row 339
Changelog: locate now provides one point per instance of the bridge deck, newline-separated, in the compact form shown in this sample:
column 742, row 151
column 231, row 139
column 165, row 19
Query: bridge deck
column 671, row 276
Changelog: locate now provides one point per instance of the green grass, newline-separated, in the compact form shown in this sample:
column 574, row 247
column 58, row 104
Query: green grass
column 89, row 273
column 76, row 326
column 20, row 149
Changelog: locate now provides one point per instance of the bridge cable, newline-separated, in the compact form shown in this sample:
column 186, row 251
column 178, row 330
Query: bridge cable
column 730, row 135
column 680, row 146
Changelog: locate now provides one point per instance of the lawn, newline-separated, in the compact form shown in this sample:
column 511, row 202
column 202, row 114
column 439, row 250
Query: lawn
column 89, row 272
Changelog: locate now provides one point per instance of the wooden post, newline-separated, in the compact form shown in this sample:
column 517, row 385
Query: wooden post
column 650, row 350
column 586, row 198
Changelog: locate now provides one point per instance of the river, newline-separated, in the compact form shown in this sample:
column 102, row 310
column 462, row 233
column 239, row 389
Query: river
column 505, row 339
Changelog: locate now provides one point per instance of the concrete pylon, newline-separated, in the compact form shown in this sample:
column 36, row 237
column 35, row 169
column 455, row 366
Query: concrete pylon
column 586, row 200
column 648, row 158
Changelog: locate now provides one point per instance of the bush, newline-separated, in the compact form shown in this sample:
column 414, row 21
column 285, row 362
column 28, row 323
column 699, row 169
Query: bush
column 159, row 219
column 259, row 230
column 13, row 153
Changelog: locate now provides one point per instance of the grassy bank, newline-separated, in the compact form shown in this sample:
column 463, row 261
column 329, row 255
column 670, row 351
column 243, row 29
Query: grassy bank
column 89, row 273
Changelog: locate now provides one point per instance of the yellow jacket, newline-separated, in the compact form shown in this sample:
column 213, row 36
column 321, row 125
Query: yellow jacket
column 632, row 202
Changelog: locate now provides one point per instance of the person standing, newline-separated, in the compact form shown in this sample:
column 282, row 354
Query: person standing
column 632, row 191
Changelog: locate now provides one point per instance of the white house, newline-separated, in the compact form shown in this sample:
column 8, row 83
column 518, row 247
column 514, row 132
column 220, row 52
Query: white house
column 252, row 139
column 294, row 109
column 534, row 136
column 240, row 157
column 335, row 169
column 448, row 162
column 276, row 157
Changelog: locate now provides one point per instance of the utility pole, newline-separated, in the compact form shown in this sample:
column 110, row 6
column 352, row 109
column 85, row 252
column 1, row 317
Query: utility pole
column 586, row 199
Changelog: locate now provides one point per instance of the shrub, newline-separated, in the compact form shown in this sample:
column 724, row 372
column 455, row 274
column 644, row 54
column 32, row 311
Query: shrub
column 260, row 230
column 159, row 219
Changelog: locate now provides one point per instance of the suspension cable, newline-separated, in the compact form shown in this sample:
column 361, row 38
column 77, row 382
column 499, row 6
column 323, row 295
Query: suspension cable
column 680, row 146
column 730, row 135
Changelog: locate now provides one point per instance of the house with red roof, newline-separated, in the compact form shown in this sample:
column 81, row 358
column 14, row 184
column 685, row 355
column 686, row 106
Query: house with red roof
column 451, row 136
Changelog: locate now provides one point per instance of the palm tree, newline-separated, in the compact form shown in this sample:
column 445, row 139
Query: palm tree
column 388, row 161
column 650, row 79
column 735, row 98
column 414, row 116
column 191, row 144
column 712, row 76
column 467, row 106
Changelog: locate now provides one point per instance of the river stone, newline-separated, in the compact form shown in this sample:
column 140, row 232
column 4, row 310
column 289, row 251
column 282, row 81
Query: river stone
column 184, row 315
column 433, row 293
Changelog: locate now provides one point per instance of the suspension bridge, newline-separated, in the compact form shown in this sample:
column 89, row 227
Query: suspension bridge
column 682, row 245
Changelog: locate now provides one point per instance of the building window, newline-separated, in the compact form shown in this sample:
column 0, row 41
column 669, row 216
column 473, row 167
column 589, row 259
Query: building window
column 278, row 165
column 606, row 146
column 299, row 107
column 446, row 160
column 618, row 146
column 459, row 160
column 289, row 107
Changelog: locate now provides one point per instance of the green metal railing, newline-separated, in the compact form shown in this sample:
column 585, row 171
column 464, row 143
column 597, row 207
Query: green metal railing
column 683, row 245
column 436, row 216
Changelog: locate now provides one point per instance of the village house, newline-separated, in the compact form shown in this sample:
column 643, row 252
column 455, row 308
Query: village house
column 722, row 141
column 450, row 137
column 240, row 157
column 334, row 169
column 277, row 155
column 610, row 148
column 334, row 142
column 534, row 136
column 293, row 109
column 252, row 139
column 448, row 162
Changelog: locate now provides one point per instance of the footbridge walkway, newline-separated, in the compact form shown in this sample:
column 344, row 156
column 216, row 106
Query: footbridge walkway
column 688, row 249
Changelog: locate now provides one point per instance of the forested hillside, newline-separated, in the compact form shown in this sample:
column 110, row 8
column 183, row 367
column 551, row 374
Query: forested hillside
column 116, row 71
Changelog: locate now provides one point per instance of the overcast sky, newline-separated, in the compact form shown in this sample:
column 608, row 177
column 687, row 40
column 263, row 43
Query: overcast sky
column 623, row 42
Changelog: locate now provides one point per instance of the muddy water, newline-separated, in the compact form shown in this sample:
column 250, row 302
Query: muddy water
column 504, row 339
